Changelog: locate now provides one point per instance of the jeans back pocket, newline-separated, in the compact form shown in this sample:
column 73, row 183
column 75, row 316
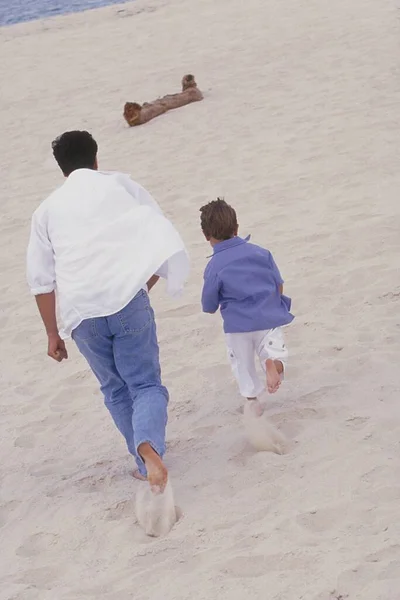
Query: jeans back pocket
column 137, row 315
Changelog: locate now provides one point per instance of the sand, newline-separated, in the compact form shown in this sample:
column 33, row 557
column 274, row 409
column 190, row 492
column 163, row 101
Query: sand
column 299, row 130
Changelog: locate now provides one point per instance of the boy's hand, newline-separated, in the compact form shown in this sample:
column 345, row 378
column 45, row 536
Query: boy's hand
column 56, row 347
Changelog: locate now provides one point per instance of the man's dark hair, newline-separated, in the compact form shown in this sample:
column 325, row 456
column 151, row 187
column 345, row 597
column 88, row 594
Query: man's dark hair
column 74, row 150
column 218, row 220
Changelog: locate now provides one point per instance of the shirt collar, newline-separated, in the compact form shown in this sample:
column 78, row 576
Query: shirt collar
column 231, row 243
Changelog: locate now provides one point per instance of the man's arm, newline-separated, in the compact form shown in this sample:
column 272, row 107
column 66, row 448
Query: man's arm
column 152, row 282
column 162, row 272
column 42, row 282
column 46, row 304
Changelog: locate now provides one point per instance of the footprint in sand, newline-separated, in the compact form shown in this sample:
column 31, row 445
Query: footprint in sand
column 156, row 513
column 120, row 510
column 321, row 520
column 25, row 441
column 385, row 554
column 28, row 408
column 20, row 338
column 33, row 426
column 78, row 378
column 356, row 422
column 6, row 511
column 316, row 395
column 62, row 400
column 37, row 544
column 42, row 578
column 294, row 421
column 206, row 430
column 44, row 469
column 359, row 578
column 92, row 483
column 246, row 566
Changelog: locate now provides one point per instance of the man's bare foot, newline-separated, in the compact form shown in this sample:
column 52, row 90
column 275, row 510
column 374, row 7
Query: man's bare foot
column 137, row 475
column 157, row 474
column 273, row 376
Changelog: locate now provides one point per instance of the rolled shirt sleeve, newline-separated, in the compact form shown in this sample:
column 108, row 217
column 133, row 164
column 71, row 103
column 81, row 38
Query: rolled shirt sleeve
column 40, row 259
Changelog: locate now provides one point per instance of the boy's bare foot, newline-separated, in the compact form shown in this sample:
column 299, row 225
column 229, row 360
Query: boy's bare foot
column 279, row 368
column 273, row 375
column 137, row 475
column 255, row 407
column 157, row 474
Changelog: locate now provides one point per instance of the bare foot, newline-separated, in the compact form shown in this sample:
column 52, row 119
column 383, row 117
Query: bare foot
column 279, row 368
column 156, row 513
column 137, row 475
column 255, row 407
column 262, row 434
column 273, row 377
column 157, row 474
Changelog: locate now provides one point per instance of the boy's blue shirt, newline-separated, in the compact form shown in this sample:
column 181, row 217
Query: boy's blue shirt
column 243, row 280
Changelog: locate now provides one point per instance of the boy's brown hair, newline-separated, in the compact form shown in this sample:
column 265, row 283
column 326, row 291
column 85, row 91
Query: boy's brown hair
column 218, row 220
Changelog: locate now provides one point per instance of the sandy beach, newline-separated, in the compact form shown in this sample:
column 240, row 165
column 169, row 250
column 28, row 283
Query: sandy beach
column 299, row 131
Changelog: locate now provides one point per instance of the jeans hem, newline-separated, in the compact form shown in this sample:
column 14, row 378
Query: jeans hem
column 154, row 446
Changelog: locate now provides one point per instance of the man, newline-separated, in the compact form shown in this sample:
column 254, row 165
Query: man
column 100, row 242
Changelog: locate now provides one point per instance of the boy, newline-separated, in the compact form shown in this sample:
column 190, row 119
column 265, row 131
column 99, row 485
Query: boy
column 100, row 242
column 244, row 281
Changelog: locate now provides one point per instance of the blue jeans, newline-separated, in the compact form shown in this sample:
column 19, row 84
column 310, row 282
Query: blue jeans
column 122, row 351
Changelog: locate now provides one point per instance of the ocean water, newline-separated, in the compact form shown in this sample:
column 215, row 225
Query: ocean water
column 17, row 11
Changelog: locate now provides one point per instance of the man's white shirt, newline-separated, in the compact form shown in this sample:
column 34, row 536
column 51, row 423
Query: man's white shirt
column 97, row 240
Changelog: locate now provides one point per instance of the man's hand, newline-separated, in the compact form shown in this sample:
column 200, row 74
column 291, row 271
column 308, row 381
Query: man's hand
column 56, row 348
column 47, row 308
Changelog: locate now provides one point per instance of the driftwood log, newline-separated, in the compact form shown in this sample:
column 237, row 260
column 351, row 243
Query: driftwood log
column 137, row 114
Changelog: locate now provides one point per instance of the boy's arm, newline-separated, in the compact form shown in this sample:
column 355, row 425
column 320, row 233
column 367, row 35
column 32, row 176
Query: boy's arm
column 210, row 295
column 42, row 283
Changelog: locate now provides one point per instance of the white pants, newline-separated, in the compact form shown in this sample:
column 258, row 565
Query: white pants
column 242, row 348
